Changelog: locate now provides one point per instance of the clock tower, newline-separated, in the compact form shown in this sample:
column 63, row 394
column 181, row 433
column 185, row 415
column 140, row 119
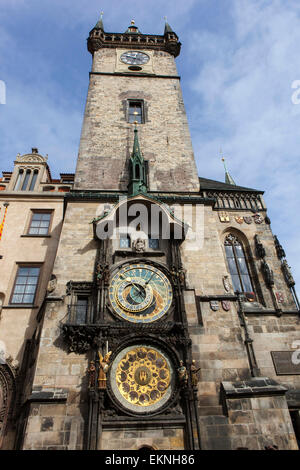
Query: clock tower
column 158, row 273
column 134, row 78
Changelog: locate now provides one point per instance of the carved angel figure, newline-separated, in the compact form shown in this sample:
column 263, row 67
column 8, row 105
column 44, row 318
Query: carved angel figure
column 104, row 366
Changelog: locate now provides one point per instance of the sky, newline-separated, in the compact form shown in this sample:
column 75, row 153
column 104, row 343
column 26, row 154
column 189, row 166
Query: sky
column 239, row 62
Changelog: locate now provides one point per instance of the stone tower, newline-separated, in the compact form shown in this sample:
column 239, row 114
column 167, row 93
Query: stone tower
column 135, row 73
column 172, row 320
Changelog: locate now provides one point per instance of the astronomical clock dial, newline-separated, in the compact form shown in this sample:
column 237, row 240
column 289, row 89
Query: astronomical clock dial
column 142, row 378
column 134, row 58
column 140, row 293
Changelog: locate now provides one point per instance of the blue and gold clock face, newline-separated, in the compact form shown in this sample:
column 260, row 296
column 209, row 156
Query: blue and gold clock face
column 140, row 293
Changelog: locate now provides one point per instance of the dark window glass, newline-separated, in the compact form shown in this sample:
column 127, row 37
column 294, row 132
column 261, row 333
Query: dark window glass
column 33, row 181
column 81, row 309
column 135, row 112
column 153, row 243
column 40, row 223
column 124, row 241
column 237, row 265
column 26, row 179
column 25, row 285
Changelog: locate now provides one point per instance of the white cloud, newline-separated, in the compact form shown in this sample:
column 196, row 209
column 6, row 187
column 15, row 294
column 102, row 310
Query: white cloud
column 244, row 84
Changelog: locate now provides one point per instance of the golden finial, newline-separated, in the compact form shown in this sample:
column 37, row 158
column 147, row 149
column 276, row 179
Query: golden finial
column 101, row 14
column 132, row 22
column 165, row 18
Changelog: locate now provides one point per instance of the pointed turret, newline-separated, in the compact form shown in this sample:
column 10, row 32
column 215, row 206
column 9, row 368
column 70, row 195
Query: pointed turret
column 168, row 28
column 137, row 169
column 99, row 25
column 228, row 177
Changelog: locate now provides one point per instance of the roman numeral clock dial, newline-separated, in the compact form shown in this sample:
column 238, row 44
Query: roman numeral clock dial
column 140, row 293
column 134, row 58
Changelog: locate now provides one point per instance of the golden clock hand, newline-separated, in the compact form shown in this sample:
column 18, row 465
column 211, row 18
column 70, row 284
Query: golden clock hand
column 149, row 279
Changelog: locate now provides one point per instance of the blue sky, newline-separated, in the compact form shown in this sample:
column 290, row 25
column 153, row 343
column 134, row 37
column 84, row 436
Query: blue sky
column 238, row 62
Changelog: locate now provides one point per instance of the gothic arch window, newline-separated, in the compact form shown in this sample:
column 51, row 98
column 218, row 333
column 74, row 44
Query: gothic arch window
column 237, row 264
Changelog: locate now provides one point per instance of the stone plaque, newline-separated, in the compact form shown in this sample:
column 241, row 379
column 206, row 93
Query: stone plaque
column 286, row 362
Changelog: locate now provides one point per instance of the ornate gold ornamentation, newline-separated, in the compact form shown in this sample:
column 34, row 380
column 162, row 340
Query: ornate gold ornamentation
column 224, row 217
column 103, row 369
column 143, row 376
column 140, row 293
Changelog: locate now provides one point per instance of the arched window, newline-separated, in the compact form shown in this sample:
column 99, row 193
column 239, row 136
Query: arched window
column 18, row 182
column 237, row 264
column 33, row 180
column 26, row 179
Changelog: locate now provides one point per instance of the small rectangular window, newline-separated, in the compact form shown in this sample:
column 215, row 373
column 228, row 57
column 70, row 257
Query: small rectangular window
column 135, row 112
column 153, row 243
column 40, row 223
column 25, row 285
column 124, row 241
column 81, row 309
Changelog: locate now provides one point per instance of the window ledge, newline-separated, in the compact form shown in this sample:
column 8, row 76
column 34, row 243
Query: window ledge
column 20, row 306
column 35, row 236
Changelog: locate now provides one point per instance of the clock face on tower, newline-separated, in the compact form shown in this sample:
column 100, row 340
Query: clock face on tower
column 140, row 293
column 134, row 58
column 142, row 378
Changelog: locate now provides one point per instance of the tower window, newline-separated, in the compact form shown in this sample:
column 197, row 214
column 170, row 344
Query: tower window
column 237, row 264
column 82, row 309
column 135, row 112
column 25, row 285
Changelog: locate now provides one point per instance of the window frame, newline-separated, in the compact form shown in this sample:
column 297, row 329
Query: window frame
column 237, row 265
column 130, row 101
column 40, row 211
column 25, row 265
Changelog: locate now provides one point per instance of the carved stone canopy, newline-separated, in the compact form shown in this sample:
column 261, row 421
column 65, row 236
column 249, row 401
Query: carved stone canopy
column 31, row 158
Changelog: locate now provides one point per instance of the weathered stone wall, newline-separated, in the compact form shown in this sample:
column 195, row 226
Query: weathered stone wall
column 132, row 439
column 107, row 137
column 218, row 344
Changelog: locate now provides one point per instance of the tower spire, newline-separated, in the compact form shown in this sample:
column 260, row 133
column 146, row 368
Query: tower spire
column 228, row 177
column 137, row 168
column 168, row 28
column 99, row 24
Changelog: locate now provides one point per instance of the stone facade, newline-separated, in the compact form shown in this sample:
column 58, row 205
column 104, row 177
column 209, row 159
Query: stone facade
column 238, row 398
column 106, row 144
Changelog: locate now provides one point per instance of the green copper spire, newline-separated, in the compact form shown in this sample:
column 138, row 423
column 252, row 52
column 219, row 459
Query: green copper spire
column 99, row 25
column 137, row 169
column 228, row 177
